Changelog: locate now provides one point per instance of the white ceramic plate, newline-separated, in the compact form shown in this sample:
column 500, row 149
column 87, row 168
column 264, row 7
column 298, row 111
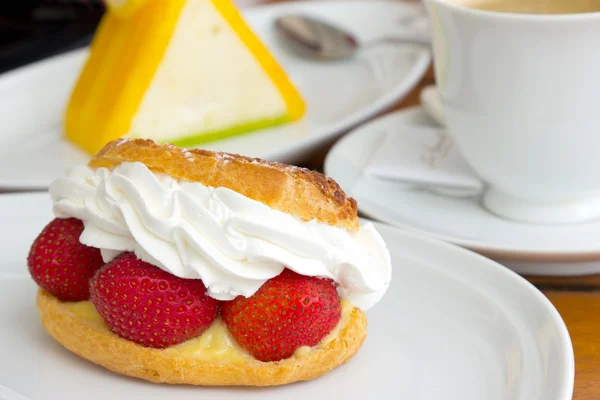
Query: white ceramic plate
column 339, row 95
column 525, row 248
column 453, row 326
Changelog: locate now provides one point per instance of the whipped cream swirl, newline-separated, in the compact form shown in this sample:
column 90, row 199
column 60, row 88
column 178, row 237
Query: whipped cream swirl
column 231, row 242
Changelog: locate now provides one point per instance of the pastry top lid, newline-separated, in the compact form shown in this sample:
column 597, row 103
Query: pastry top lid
column 305, row 194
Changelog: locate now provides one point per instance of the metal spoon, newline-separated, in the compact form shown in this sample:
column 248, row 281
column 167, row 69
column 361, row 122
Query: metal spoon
column 317, row 39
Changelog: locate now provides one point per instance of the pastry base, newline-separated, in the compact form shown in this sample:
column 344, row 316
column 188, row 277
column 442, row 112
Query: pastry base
column 104, row 348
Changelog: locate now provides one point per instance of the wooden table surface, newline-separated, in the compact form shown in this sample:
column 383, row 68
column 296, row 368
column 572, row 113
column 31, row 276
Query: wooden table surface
column 576, row 299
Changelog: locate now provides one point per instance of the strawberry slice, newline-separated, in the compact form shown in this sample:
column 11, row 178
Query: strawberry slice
column 148, row 306
column 287, row 312
column 60, row 264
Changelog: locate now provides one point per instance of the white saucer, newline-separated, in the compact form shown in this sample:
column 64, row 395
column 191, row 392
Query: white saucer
column 453, row 326
column 339, row 95
column 525, row 248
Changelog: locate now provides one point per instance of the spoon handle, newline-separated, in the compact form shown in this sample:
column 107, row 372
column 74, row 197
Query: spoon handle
column 416, row 39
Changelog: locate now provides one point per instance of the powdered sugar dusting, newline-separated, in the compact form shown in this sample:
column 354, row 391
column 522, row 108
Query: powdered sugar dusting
column 122, row 141
column 224, row 158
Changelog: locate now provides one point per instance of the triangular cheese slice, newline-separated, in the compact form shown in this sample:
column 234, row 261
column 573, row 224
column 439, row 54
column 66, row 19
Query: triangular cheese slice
column 178, row 71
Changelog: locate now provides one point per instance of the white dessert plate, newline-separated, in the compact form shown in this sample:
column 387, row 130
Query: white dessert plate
column 453, row 325
column 525, row 248
column 339, row 95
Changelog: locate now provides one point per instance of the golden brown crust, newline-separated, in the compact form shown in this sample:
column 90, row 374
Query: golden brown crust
column 161, row 366
column 297, row 191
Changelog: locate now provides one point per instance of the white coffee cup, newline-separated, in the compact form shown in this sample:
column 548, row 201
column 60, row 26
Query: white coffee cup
column 521, row 95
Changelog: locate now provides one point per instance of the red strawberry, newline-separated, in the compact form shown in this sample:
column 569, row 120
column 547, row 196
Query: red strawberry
column 60, row 264
column 144, row 304
column 287, row 312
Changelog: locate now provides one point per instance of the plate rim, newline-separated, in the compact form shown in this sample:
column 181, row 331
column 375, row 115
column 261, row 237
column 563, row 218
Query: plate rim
column 497, row 252
column 399, row 235
column 329, row 131
column 567, row 351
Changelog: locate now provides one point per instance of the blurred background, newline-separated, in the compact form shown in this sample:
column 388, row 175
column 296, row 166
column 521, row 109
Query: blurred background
column 35, row 29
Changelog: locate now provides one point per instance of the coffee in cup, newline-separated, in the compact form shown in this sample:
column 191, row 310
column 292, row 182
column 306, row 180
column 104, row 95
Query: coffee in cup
column 533, row 6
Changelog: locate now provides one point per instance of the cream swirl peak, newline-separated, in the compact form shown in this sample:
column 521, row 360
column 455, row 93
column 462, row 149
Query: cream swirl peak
column 231, row 242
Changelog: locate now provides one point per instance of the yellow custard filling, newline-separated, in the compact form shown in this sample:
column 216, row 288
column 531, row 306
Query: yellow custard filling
column 215, row 343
